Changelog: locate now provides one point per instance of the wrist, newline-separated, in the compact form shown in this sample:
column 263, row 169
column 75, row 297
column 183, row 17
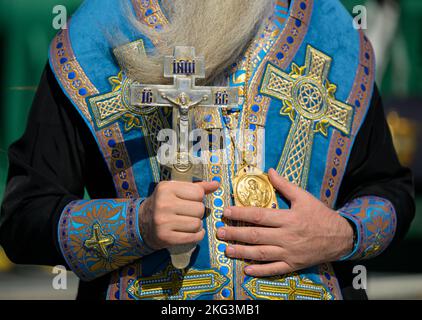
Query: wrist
column 348, row 234
column 144, row 218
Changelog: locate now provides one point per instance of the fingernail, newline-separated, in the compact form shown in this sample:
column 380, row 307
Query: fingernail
column 227, row 213
column 221, row 233
column 230, row 251
column 248, row 269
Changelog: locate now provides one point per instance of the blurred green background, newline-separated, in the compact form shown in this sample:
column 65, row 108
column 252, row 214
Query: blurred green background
column 393, row 26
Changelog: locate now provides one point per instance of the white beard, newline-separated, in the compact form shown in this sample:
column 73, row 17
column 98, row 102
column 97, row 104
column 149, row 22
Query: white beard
column 219, row 30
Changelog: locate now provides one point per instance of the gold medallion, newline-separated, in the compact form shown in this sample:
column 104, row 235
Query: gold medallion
column 252, row 188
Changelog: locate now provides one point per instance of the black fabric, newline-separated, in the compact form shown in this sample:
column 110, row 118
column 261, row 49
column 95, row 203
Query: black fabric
column 57, row 158
column 49, row 167
column 374, row 169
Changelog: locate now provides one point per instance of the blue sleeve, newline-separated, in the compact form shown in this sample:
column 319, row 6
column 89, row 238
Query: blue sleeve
column 375, row 225
column 100, row 236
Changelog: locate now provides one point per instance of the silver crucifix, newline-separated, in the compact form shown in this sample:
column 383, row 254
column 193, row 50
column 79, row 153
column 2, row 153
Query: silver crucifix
column 183, row 96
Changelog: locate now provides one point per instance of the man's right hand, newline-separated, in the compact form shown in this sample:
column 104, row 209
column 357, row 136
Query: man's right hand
column 173, row 214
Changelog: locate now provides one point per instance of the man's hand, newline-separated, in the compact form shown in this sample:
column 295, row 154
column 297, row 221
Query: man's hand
column 307, row 234
column 173, row 214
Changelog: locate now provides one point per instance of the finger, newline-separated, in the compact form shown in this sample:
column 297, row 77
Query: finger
column 251, row 235
column 189, row 191
column 258, row 216
column 178, row 238
column 208, row 187
column 268, row 269
column 291, row 191
column 257, row 253
column 187, row 224
column 189, row 208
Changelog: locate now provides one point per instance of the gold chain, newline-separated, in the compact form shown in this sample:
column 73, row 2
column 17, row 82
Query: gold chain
column 245, row 102
column 235, row 119
column 246, row 83
column 247, row 76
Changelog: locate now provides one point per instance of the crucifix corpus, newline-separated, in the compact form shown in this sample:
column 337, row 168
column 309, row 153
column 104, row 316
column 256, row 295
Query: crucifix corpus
column 183, row 96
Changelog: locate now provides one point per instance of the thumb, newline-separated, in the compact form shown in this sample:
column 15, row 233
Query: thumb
column 209, row 187
column 285, row 187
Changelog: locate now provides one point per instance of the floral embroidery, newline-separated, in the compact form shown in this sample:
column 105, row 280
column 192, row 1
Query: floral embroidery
column 375, row 220
column 100, row 236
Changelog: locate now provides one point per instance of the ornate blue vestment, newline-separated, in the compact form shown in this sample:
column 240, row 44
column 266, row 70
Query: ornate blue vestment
column 310, row 85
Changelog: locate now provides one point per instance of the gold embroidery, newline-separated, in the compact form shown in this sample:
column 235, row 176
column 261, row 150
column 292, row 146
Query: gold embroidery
column 309, row 101
column 112, row 106
column 131, row 122
column 99, row 242
column 175, row 284
column 109, row 105
column 71, row 75
column 291, row 287
column 217, row 201
column 157, row 18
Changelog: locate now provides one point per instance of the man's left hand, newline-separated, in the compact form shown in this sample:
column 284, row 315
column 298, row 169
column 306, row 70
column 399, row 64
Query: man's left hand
column 307, row 234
